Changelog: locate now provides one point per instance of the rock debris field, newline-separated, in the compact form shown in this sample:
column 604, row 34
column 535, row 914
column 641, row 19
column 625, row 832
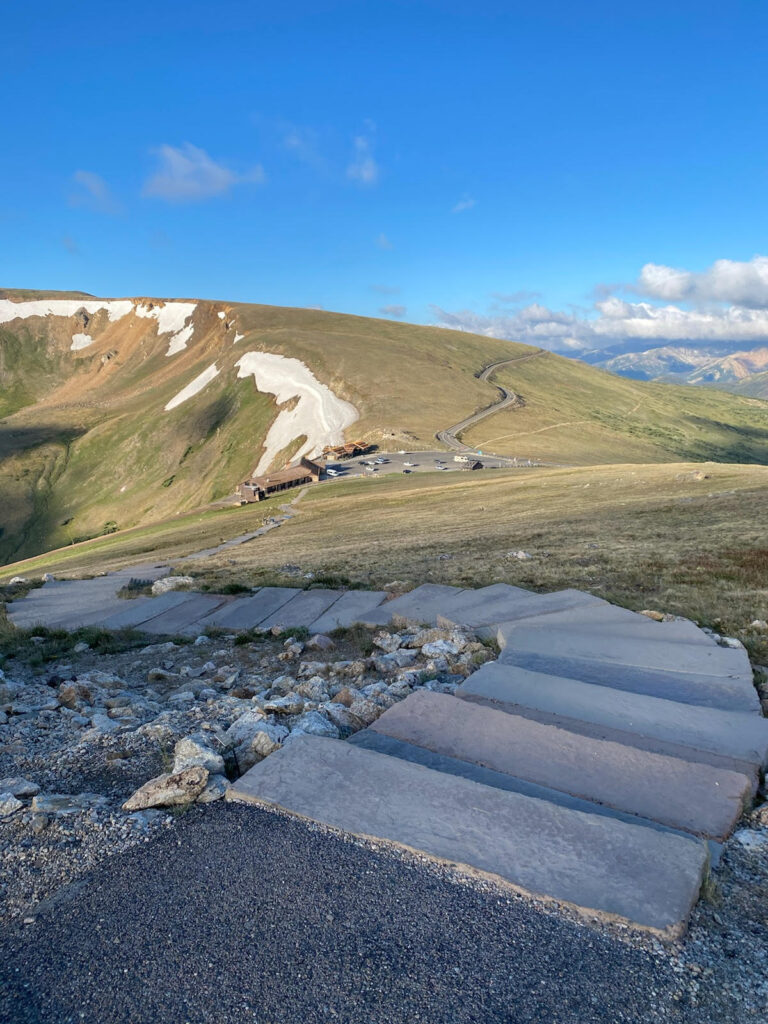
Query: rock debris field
column 584, row 769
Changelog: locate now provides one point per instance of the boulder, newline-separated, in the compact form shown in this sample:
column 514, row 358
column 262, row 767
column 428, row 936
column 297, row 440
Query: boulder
column 194, row 752
column 243, row 728
column 9, row 804
column 215, row 789
column 441, row 648
column 62, row 804
column 290, row 704
column 387, row 642
column 347, row 696
column 259, row 745
column 320, row 642
column 343, row 719
column 366, row 710
column 314, row 689
column 171, row 790
column 21, row 788
column 312, row 723
column 167, row 583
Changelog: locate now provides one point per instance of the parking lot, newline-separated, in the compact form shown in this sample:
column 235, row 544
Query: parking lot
column 384, row 463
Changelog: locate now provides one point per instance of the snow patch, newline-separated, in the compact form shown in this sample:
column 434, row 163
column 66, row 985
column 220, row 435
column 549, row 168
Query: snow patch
column 116, row 309
column 194, row 387
column 221, row 314
column 319, row 414
column 81, row 341
column 238, row 337
column 172, row 316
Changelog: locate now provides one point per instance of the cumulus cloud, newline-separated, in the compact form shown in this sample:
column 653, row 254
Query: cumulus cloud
column 188, row 174
column 396, row 311
column 91, row 190
column 466, row 203
column 363, row 168
column 725, row 305
column 740, row 283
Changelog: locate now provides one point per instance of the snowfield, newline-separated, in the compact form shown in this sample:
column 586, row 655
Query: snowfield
column 81, row 341
column 172, row 317
column 319, row 414
column 194, row 387
column 116, row 309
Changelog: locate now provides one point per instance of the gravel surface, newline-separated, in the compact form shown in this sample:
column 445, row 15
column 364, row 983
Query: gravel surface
column 241, row 915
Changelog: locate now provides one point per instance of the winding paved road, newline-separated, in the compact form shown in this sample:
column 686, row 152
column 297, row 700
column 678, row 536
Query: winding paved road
column 509, row 399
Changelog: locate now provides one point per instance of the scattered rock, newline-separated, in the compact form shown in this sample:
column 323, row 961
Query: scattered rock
column 215, row 789
column 312, row 723
column 172, row 790
column 194, row 752
column 162, row 586
column 61, row 804
column 387, row 642
column 9, row 804
column 21, row 788
column 320, row 642
column 290, row 704
column 751, row 840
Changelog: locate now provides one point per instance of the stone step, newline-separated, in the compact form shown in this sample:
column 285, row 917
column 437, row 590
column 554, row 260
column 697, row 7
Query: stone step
column 249, row 612
column 303, row 609
column 621, row 650
column 648, row 878
column 186, row 616
column 384, row 744
column 685, row 795
column 682, row 730
column 609, row 618
column 351, row 607
column 140, row 609
column 729, row 694
column 418, row 606
column 470, row 609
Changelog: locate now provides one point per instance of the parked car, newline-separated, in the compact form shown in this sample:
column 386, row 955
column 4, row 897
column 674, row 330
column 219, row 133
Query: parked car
column 408, row 463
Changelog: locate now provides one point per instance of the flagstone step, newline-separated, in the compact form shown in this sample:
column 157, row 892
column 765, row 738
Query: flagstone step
column 351, row 607
column 600, row 864
column 623, row 650
column 685, row 795
column 185, row 617
column 141, row 609
column 384, row 744
column 474, row 609
column 303, row 609
column 418, row 606
column 250, row 612
column 604, row 616
column 662, row 725
column 725, row 692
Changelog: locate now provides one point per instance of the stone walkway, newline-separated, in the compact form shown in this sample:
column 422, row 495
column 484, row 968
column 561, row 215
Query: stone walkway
column 599, row 762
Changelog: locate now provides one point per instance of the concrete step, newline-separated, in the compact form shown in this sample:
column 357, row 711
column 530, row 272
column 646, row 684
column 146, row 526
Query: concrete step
column 351, row 607
column 140, row 609
column 729, row 694
column 185, row 617
column 471, row 609
column 648, row 878
column 384, row 744
column 685, row 795
column 609, row 618
column 623, row 650
column 303, row 609
column 668, row 727
column 249, row 612
column 417, row 606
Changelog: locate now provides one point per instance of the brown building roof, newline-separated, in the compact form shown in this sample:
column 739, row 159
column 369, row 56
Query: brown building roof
column 282, row 476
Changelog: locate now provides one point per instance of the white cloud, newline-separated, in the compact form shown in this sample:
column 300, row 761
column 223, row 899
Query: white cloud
column 740, row 283
column 363, row 168
column 92, row 191
column 395, row 311
column 189, row 174
column 466, row 203
column 729, row 300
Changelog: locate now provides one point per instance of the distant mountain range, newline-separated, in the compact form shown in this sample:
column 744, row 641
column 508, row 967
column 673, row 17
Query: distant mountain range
column 744, row 372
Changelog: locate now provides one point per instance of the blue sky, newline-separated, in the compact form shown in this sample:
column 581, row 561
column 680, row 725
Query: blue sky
column 484, row 158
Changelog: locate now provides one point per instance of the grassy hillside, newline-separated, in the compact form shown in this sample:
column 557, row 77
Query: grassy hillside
column 683, row 538
column 577, row 414
column 86, row 446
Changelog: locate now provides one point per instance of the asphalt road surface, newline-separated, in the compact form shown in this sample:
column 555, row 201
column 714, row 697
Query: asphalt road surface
column 416, row 462
column 239, row 915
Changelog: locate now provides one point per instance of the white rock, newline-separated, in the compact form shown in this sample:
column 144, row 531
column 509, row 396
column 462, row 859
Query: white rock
column 47, row 578
column 440, row 648
column 9, row 804
column 387, row 642
column 751, row 840
column 320, row 642
column 194, row 752
column 260, row 745
column 169, row 790
column 19, row 787
column 215, row 789
column 312, row 723
column 245, row 727
column 167, row 583
column 18, row 579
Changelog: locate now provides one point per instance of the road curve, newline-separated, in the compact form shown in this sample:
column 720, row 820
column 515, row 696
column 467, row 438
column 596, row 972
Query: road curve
column 509, row 399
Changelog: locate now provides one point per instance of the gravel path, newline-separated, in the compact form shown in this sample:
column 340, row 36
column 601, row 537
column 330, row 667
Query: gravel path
column 241, row 915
